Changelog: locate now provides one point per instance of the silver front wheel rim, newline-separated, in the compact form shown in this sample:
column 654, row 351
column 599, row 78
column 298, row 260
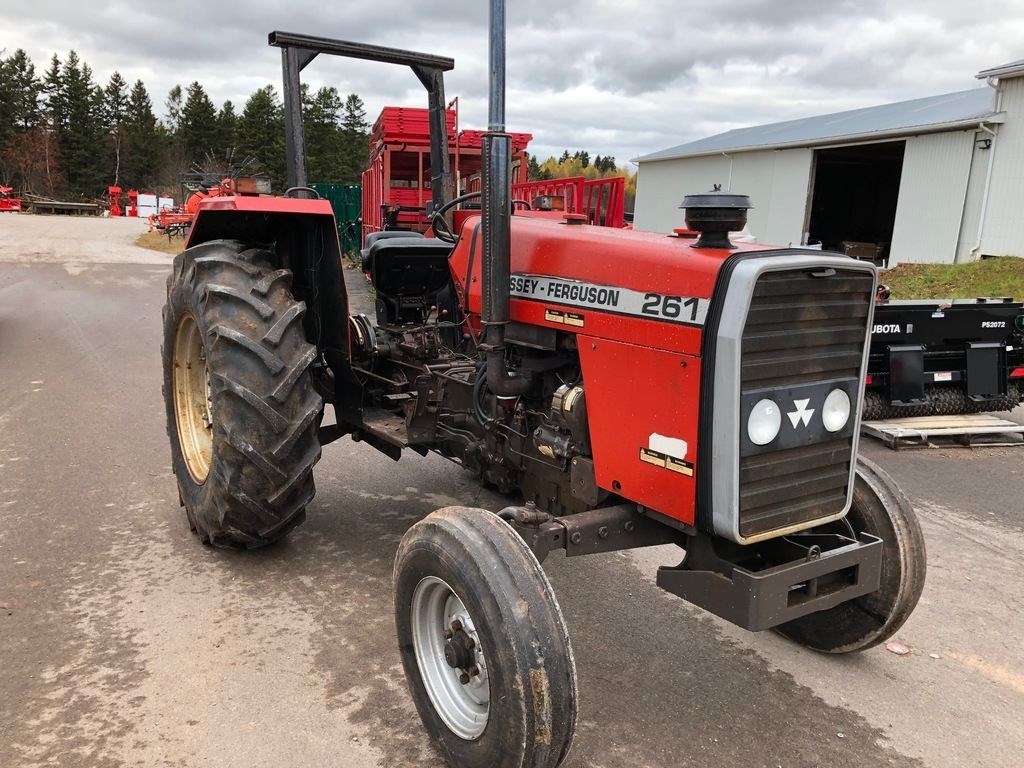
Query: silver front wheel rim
column 463, row 706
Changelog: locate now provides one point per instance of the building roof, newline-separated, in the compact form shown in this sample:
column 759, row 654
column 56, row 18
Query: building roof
column 934, row 113
column 1012, row 69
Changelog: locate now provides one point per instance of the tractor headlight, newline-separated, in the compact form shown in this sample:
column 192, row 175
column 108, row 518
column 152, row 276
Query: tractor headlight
column 836, row 411
column 764, row 422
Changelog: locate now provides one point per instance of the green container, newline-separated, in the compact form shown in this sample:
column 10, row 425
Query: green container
column 347, row 202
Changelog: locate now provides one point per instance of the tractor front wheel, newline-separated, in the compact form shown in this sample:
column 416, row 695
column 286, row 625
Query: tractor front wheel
column 483, row 642
column 882, row 510
column 242, row 412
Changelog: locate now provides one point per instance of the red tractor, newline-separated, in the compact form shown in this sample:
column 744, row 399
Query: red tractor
column 625, row 389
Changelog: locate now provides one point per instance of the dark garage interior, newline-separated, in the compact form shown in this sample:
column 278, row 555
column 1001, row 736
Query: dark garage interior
column 853, row 206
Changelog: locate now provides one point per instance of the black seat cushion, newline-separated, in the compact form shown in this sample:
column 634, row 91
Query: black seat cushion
column 375, row 237
column 409, row 271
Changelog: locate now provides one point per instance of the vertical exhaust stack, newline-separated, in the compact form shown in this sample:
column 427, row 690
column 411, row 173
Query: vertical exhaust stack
column 497, row 217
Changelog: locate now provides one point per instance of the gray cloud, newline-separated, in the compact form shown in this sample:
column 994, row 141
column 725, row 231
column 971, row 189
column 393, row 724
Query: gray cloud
column 612, row 76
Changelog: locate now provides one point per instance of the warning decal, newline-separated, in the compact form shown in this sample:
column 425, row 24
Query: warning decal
column 566, row 318
column 667, row 462
column 684, row 310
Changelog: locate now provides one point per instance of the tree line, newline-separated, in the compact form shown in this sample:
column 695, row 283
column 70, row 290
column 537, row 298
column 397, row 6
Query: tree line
column 580, row 163
column 64, row 135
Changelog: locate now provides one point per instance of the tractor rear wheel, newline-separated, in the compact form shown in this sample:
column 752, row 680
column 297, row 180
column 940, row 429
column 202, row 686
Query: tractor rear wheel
column 483, row 642
column 882, row 510
column 242, row 413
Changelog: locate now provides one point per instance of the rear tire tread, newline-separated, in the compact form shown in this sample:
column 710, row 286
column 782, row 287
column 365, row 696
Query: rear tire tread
column 266, row 408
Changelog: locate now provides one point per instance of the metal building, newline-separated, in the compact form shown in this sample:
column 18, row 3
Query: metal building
column 938, row 179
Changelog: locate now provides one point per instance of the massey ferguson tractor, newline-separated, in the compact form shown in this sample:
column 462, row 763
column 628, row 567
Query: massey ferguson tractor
column 624, row 389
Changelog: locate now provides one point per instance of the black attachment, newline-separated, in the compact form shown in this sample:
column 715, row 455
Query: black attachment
column 906, row 374
column 765, row 585
column 715, row 214
column 298, row 50
column 985, row 365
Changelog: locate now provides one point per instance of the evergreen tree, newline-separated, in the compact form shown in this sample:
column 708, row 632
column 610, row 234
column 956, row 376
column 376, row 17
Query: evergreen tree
column 8, row 98
column 25, row 90
column 323, row 140
column 23, row 135
column 261, row 133
column 355, row 140
column 565, row 157
column 53, row 92
column 143, row 145
column 115, row 105
column 197, row 130
column 115, row 99
column 533, row 169
column 81, row 135
column 226, row 128
column 51, row 120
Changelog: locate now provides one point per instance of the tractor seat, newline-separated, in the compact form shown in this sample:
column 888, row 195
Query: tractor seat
column 376, row 237
column 406, row 267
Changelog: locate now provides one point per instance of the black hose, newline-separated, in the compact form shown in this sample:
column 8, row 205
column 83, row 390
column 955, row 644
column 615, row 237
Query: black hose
column 478, row 387
column 499, row 380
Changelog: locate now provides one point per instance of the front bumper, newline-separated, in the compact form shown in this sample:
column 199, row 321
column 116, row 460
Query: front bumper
column 806, row 573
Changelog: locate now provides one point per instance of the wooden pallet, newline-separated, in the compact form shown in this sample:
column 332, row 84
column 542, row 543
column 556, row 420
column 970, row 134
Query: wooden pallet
column 967, row 429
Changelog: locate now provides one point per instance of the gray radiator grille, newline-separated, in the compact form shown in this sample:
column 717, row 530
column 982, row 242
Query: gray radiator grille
column 800, row 330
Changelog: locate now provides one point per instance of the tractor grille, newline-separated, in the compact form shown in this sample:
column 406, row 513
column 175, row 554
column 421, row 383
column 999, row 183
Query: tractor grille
column 800, row 330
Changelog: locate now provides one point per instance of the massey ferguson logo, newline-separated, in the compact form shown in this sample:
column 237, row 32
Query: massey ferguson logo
column 802, row 413
column 888, row 328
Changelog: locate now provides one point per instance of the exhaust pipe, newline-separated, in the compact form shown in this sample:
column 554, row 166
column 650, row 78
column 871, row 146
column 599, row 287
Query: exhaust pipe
column 497, row 218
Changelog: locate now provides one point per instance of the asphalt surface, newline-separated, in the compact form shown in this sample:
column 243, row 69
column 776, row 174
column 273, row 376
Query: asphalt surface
column 125, row 642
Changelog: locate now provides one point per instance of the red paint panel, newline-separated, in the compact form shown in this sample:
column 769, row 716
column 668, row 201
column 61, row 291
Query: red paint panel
column 633, row 392
column 640, row 261
column 605, row 325
column 258, row 204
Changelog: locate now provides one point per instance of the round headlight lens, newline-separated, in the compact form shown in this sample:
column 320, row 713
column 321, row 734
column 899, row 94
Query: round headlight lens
column 764, row 422
column 836, row 411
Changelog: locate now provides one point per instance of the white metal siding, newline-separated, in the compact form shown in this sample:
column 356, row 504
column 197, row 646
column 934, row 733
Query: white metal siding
column 972, row 204
column 661, row 186
column 775, row 180
column 933, row 187
column 752, row 174
column 789, row 198
column 1004, row 221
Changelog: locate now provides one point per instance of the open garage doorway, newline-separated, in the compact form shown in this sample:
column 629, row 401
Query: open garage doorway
column 853, row 202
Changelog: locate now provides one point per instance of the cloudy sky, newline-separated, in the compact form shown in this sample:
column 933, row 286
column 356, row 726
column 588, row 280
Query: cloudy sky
column 619, row 77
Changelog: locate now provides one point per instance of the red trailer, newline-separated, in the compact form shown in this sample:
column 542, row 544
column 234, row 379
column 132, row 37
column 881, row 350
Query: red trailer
column 397, row 183
column 600, row 200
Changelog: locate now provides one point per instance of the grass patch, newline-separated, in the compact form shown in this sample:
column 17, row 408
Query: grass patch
column 1003, row 276
column 157, row 241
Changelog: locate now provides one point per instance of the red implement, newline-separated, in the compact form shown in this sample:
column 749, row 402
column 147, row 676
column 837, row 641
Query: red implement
column 7, row 202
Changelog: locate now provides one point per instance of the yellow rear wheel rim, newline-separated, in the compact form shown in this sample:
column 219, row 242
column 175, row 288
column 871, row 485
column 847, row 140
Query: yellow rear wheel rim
column 193, row 408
